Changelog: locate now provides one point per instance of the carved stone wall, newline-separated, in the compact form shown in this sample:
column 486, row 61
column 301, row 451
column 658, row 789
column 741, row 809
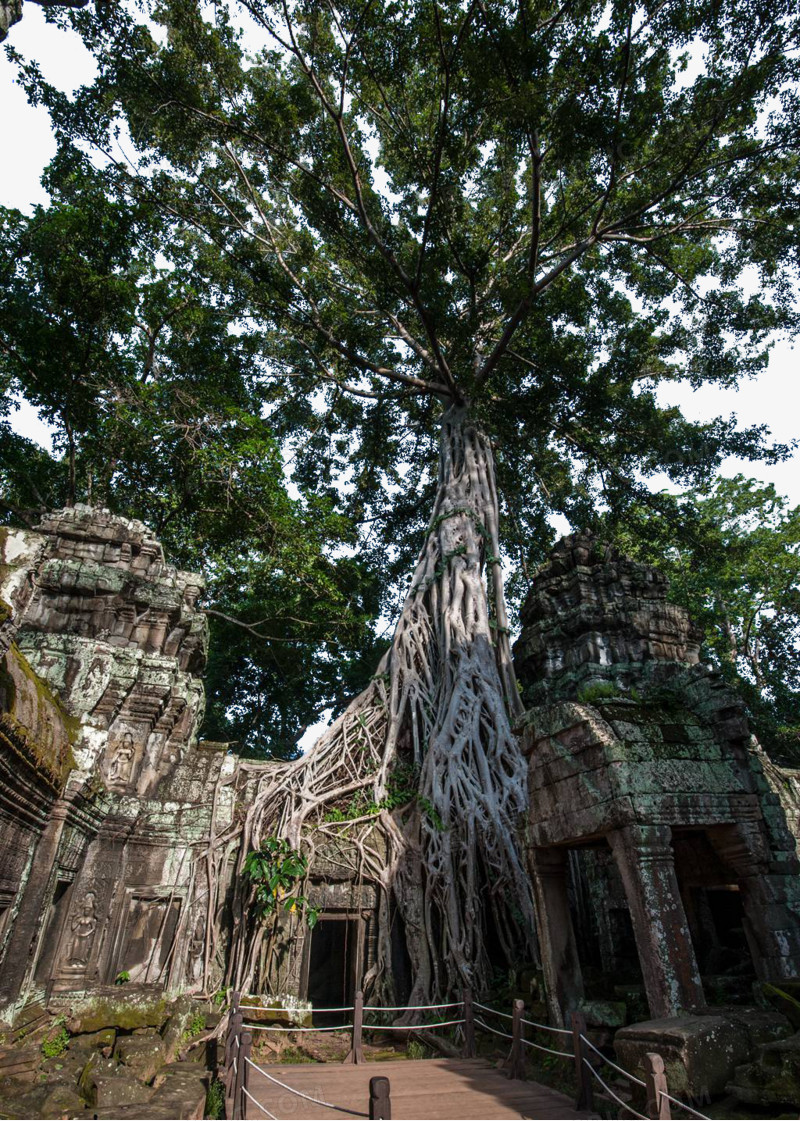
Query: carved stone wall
column 106, row 798
column 643, row 758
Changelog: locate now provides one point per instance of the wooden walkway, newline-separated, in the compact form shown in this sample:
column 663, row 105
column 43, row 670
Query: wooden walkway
column 432, row 1089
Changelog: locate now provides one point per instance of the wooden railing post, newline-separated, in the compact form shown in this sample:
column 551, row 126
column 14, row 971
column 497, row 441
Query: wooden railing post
column 469, row 1025
column 655, row 1081
column 236, row 1000
column 232, row 1044
column 516, row 1060
column 380, row 1104
column 583, row 1075
column 239, row 1104
column 356, row 1053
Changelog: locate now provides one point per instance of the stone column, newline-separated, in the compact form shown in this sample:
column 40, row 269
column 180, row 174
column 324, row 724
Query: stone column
column 646, row 862
column 562, row 971
column 23, row 941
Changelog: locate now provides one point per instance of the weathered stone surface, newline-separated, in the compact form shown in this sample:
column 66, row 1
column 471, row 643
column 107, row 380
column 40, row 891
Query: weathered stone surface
column 604, row 1013
column 125, row 1011
column 143, row 1055
column 180, row 1095
column 94, row 1041
column 10, row 13
column 700, row 1053
column 785, row 997
column 636, row 748
column 101, row 650
column 61, row 1101
column 118, row 1089
column 774, row 1078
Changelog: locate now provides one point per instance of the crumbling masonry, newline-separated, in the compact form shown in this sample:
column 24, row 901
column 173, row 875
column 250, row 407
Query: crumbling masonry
column 655, row 817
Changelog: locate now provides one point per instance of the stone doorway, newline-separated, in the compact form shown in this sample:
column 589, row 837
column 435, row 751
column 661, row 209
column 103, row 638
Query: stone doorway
column 52, row 930
column 148, row 938
column 334, row 964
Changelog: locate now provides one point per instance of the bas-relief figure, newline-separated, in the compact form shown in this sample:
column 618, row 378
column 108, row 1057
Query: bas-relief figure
column 83, row 928
column 120, row 766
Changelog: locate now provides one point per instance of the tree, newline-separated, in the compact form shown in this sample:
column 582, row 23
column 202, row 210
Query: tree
column 735, row 564
column 112, row 341
column 507, row 222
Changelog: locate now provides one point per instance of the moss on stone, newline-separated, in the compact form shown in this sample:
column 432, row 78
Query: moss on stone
column 123, row 1013
column 56, row 761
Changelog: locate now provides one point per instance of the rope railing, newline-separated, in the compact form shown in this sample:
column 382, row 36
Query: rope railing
column 410, row 1027
column 608, row 1062
column 300, row 1094
column 614, row 1096
column 586, row 1055
column 683, row 1105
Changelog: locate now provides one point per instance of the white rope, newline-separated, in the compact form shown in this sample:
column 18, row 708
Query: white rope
column 410, row 1007
column 255, row 1101
column 410, row 1027
column 306, row 1097
column 494, row 1031
column 545, row 1027
column 619, row 1070
column 269, row 1027
column 486, row 1008
column 549, row 1050
column 292, row 1011
column 682, row 1105
column 611, row 1093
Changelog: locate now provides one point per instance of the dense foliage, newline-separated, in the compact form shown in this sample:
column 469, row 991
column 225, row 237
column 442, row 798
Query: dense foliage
column 736, row 567
column 328, row 219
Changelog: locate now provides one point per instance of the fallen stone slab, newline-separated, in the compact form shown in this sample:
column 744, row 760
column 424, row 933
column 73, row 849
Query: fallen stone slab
column 93, row 1041
column 700, row 1053
column 180, row 1094
column 143, row 1055
column 119, row 1090
column 773, row 1078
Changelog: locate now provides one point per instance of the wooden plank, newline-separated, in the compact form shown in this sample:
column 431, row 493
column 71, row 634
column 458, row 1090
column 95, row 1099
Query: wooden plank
column 436, row 1089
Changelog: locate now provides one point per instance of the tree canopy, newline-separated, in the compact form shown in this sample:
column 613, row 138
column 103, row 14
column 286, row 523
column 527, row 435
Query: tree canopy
column 547, row 212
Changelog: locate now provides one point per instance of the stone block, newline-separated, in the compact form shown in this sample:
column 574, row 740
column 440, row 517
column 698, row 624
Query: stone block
column 785, row 998
column 114, row 1090
column 143, row 1055
column 94, row 1041
column 700, row 1053
column 126, row 1012
column 604, row 1013
column 774, row 1077
column 62, row 1100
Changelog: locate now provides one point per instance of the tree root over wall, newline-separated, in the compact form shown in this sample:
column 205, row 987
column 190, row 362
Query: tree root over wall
column 438, row 709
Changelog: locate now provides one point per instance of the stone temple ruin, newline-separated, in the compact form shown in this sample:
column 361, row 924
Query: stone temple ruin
column 661, row 838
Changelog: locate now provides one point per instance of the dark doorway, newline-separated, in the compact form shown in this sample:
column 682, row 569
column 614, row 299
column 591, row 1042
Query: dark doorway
column 335, row 964
column 54, row 924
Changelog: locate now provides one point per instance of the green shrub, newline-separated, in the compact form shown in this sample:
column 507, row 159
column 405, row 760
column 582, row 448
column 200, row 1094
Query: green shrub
column 56, row 1044
column 215, row 1101
column 122, row 977
column 597, row 691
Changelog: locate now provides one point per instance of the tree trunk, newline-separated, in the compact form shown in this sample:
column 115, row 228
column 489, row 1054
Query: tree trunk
column 423, row 769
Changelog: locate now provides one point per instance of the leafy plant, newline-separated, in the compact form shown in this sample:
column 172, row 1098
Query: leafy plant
column 215, row 1101
column 56, row 1045
column 275, row 870
column 122, row 978
column 597, row 691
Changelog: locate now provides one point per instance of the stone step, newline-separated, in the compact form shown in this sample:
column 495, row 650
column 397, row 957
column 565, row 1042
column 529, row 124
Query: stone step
column 16, row 1061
